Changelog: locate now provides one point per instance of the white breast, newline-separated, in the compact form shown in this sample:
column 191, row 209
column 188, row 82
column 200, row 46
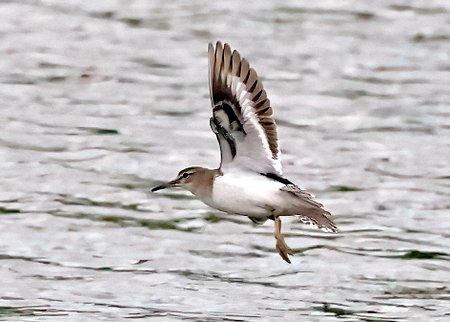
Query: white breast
column 246, row 193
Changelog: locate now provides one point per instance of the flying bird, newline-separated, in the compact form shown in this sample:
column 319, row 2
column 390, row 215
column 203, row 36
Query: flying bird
column 249, row 180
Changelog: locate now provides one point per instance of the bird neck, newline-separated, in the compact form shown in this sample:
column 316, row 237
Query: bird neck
column 203, row 185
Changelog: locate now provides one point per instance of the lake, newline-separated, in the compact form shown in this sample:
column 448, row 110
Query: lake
column 103, row 100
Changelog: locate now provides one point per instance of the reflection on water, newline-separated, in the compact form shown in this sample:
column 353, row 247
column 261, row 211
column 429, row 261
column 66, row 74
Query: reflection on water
column 100, row 101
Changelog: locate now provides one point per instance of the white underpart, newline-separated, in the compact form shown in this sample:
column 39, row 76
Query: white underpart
column 253, row 152
column 247, row 193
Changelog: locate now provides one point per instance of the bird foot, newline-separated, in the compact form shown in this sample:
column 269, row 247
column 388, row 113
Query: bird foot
column 283, row 249
column 281, row 246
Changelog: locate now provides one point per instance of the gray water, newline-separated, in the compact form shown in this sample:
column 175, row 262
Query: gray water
column 101, row 100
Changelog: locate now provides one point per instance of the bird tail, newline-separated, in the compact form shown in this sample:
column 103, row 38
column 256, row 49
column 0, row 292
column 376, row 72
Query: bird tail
column 310, row 211
column 320, row 220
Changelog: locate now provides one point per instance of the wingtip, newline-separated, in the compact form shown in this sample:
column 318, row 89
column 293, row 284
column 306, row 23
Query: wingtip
column 220, row 45
column 227, row 47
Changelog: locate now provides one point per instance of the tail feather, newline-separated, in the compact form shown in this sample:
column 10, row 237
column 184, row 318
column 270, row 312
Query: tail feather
column 322, row 221
column 311, row 211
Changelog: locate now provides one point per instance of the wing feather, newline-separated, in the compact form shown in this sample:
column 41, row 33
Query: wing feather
column 233, row 83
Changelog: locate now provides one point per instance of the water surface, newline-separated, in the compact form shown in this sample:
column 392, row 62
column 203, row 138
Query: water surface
column 100, row 101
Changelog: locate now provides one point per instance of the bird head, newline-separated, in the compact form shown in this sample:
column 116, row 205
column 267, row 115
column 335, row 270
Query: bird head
column 184, row 179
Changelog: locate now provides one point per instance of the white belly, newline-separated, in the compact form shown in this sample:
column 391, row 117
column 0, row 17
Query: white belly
column 248, row 194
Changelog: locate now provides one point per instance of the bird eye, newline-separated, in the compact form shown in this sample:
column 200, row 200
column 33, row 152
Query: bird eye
column 185, row 175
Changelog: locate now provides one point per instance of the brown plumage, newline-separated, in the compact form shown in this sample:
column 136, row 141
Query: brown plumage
column 249, row 181
column 224, row 63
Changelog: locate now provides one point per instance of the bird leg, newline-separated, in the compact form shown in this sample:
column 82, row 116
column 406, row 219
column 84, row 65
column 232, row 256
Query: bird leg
column 281, row 246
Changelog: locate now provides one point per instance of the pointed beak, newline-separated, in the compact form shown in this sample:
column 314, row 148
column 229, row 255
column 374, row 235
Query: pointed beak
column 170, row 184
column 161, row 187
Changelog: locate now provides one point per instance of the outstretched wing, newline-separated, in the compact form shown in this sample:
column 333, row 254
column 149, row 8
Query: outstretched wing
column 242, row 116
